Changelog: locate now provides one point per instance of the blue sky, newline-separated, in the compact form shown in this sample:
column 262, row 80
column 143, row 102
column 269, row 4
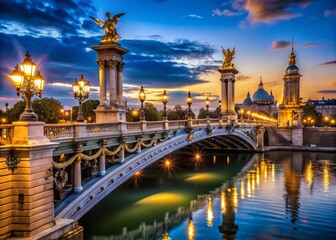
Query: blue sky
column 173, row 45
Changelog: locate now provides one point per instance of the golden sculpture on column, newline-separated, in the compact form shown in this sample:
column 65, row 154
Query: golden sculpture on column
column 111, row 34
column 227, row 79
column 229, row 56
column 110, row 61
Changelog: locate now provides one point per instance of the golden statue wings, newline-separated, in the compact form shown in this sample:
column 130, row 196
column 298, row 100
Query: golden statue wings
column 229, row 56
column 111, row 34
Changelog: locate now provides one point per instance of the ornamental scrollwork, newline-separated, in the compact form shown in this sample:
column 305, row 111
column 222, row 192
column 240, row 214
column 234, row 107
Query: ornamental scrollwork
column 12, row 162
column 60, row 179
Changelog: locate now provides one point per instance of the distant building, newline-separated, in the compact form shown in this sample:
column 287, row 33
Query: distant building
column 327, row 107
column 290, row 110
column 261, row 101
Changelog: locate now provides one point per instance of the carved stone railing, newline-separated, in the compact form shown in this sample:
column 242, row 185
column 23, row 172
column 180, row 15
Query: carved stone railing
column 53, row 131
column 134, row 126
column 156, row 124
column 214, row 120
column 177, row 124
column 199, row 122
column 6, row 133
column 101, row 128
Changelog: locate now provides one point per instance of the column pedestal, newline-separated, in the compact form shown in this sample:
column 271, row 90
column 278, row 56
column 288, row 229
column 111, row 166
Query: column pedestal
column 112, row 55
column 227, row 94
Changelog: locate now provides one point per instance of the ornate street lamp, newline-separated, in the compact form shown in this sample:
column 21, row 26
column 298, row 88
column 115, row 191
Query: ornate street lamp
column 81, row 91
column 189, row 102
column 142, row 98
column 164, row 101
column 207, row 104
column 27, row 81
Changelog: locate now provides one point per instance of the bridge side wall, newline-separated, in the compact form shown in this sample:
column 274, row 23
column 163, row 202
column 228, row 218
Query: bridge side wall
column 321, row 137
column 6, row 185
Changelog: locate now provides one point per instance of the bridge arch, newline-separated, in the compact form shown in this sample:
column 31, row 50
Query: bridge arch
column 94, row 193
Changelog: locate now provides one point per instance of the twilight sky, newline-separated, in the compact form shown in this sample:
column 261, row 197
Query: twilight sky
column 173, row 45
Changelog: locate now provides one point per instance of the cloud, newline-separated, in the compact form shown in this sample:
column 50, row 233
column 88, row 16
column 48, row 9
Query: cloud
column 242, row 77
column 264, row 11
column 328, row 63
column 225, row 12
column 328, row 13
column 328, row 91
column 39, row 19
column 270, row 11
column 279, row 44
column 167, row 64
column 310, row 45
column 193, row 16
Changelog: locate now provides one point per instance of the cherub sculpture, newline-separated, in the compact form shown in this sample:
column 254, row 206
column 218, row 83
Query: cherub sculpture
column 229, row 56
column 111, row 34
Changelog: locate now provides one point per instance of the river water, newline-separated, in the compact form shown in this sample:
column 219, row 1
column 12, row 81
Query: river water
column 276, row 195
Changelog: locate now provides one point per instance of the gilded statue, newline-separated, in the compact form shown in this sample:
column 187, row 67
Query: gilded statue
column 229, row 56
column 111, row 34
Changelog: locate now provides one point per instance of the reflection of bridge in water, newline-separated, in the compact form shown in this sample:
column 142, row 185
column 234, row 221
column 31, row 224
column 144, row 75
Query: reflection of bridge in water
column 255, row 175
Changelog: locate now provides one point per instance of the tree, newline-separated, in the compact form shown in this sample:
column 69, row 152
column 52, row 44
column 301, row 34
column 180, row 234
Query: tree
column 151, row 112
column 202, row 114
column 88, row 107
column 15, row 112
column 47, row 109
column 178, row 113
column 309, row 111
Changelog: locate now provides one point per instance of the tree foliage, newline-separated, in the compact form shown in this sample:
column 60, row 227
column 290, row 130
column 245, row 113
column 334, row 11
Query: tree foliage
column 151, row 112
column 47, row 109
column 212, row 114
column 15, row 111
column 178, row 113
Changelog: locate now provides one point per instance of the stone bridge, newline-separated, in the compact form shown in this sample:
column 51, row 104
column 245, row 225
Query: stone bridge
column 77, row 165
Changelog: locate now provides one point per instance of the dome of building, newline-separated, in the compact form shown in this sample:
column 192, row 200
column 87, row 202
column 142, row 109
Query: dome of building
column 247, row 100
column 261, row 94
column 292, row 70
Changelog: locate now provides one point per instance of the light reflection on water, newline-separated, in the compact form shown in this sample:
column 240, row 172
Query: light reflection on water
column 281, row 195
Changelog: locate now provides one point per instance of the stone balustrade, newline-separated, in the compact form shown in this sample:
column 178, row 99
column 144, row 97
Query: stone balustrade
column 65, row 131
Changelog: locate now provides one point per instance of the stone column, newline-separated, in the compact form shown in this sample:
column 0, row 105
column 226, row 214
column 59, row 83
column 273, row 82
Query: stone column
column 224, row 105
column 120, row 68
column 113, row 90
column 77, row 176
column 229, row 95
column 139, row 148
column 102, row 82
column 122, row 154
column 233, row 96
column 227, row 82
column 102, row 170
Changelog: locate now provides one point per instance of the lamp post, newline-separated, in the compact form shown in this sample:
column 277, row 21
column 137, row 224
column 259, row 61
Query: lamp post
column 189, row 102
column 164, row 101
column 142, row 98
column 207, row 104
column 28, row 82
column 81, row 91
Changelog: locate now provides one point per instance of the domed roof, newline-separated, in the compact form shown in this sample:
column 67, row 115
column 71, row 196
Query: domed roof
column 247, row 100
column 261, row 94
column 292, row 70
